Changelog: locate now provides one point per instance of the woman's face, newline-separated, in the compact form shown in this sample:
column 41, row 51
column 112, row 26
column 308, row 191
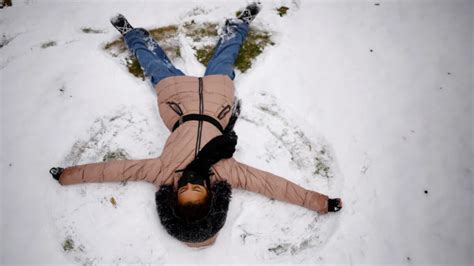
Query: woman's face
column 192, row 193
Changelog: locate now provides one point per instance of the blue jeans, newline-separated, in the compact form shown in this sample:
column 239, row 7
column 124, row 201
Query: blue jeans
column 157, row 65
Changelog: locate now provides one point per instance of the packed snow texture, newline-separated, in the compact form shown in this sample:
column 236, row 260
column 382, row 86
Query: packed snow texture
column 370, row 101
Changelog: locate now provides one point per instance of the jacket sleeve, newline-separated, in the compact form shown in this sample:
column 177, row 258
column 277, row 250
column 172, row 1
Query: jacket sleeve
column 243, row 176
column 113, row 171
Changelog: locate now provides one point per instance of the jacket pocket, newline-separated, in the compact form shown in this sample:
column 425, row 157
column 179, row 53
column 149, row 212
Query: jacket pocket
column 224, row 112
column 175, row 107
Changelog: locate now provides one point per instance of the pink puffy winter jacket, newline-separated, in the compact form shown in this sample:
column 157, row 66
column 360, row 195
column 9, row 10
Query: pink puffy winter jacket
column 181, row 95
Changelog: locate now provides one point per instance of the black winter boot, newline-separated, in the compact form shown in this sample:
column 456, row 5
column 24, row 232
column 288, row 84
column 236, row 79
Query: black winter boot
column 121, row 24
column 250, row 12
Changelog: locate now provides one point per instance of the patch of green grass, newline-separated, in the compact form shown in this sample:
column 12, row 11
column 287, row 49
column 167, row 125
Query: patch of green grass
column 321, row 167
column 134, row 67
column 199, row 31
column 204, row 54
column 48, row 44
column 282, row 10
column 253, row 46
column 113, row 201
column 118, row 154
column 68, row 244
column 177, row 51
column 91, row 30
column 116, row 44
column 163, row 33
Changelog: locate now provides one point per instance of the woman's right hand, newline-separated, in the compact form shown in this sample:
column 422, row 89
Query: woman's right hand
column 56, row 172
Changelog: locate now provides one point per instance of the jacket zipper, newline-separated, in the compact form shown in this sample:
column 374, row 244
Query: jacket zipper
column 201, row 111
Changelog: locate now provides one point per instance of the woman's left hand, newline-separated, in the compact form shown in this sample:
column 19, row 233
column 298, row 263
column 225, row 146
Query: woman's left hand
column 334, row 205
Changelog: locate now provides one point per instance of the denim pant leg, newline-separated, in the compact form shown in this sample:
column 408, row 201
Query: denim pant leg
column 227, row 49
column 151, row 57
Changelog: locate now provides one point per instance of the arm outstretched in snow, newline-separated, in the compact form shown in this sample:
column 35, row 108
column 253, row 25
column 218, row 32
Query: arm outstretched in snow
column 113, row 171
column 243, row 176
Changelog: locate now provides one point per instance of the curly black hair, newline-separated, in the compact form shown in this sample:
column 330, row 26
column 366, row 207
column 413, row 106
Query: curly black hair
column 198, row 230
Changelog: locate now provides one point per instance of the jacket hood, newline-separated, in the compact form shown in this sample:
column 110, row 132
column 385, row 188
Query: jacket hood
column 200, row 230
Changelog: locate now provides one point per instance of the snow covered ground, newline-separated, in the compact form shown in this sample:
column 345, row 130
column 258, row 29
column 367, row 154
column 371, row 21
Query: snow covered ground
column 380, row 90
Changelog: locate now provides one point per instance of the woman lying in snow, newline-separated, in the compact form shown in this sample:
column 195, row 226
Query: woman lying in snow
column 195, row 172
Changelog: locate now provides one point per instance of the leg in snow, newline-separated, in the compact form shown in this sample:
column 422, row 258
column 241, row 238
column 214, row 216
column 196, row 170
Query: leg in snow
column 227, row 49
column 150, row 55
column 232, row 37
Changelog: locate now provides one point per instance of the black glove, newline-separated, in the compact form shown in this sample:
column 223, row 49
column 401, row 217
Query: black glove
column 334, row 205
column 56, row 172
column 220, row 147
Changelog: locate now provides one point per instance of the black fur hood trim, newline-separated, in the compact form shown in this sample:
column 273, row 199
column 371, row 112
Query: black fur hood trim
column 202, row 229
